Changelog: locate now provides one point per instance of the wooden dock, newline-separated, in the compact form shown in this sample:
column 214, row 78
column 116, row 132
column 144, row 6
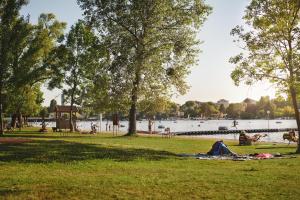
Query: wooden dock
column 216, row 132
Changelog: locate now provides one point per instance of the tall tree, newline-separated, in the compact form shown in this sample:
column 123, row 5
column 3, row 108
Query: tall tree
column 222, row 109
column 24, row 48
column 266, row 107
column 24, row 102
column 235, row 110
column 208, row 109
column 271, row 47
column 191, row 109
column 78, row 60
column 153, row 105
column 31, row 49
column 53, row 104
column 9, row 17
column 151, row 44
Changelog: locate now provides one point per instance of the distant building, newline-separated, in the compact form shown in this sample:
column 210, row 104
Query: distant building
column 249, row 101
column 223, row 102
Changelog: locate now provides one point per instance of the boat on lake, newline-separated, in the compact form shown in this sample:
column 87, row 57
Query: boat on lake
column 161, row 126
column 223, row 128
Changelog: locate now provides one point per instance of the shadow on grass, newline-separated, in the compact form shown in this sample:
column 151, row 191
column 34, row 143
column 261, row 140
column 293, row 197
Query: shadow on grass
column 22, row 131
column 48, row 136
column 257, row 146
column 281, row 147
column 6, row 192
column 276, row 147
column 66, row 136
column 63, row 152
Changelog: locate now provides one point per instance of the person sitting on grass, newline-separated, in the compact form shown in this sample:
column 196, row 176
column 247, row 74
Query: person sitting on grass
column 9, row 128
column 220, row 149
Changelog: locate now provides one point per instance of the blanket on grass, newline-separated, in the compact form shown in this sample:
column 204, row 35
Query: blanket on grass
column 260, row 156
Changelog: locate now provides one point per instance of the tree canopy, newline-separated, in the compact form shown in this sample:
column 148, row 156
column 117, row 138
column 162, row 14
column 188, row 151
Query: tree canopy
column 77, row 63
column 24, row 49
column 271, row 47
column 151, row 44
column 9, row 21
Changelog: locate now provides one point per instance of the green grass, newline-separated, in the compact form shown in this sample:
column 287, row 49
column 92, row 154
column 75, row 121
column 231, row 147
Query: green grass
column 106, row 167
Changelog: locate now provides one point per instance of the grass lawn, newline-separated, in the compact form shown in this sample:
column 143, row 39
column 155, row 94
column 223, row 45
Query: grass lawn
column 75, row 166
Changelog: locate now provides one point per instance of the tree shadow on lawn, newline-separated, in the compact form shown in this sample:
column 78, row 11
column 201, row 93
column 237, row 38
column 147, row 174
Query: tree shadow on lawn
column 64, row 152
column 5, row 192
column 41, row 135
column 66, row 136
column 280, row 147
column 24, row 131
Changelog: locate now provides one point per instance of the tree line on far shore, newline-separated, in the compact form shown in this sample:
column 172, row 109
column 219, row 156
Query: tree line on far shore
column 248, row 109
column 264, row 108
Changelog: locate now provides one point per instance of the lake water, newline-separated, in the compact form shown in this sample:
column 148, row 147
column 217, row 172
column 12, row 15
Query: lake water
column 196, row 125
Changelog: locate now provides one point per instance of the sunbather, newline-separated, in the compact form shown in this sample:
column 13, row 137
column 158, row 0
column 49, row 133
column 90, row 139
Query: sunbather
column 219, row 149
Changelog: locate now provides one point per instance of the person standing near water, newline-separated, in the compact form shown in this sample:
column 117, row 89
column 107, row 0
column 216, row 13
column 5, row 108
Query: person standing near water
column 235, row 123
column 150, row 122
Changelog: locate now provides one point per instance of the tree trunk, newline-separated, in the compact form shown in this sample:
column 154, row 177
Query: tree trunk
column 297, row 116
column 71, row 119
column 134, row 98
column 1, row 111
column 135, row 90
column 132, row 113
column 25, row 121
column 71, row 115
column 13, row 121
column 20, row 121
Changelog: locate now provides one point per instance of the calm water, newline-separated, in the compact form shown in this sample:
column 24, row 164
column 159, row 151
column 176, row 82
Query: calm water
column 196, row 125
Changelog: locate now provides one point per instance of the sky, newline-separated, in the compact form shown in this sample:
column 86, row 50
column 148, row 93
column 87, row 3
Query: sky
column 209, row 79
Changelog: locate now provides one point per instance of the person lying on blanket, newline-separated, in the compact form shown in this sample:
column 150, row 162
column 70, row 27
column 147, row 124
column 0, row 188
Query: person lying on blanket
column 219, row 149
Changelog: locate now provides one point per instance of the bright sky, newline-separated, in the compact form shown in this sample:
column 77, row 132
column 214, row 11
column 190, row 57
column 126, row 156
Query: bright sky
column 210, row 78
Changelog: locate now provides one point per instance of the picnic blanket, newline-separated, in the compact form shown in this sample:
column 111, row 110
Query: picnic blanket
column 258, row 156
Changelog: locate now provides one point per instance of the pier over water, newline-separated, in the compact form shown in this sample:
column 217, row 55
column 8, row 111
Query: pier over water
column 215, row 132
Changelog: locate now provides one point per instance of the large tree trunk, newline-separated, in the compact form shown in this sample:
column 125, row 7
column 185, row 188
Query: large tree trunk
column 132, row 113
column 13, row 121
column 25, row 119
column 20, row 120
column 72, row 104
column 71, row 113
column 135, row 91
column 71, row 119
column 297, row 116
column 134, row 98
column 1, row 85
column 1, row 111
